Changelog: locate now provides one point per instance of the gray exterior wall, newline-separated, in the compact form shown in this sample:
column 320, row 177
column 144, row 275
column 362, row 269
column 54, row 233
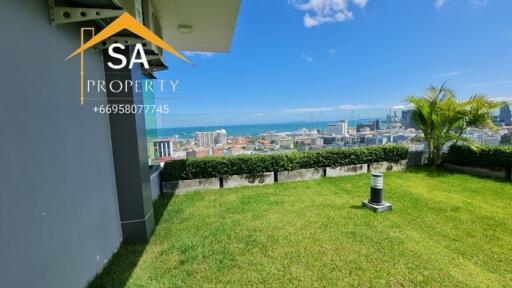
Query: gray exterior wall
column 59, row 218
column 128, row 137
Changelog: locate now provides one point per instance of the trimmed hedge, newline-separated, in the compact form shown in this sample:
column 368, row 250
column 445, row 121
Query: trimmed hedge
column 195, row 168
column 500, row 156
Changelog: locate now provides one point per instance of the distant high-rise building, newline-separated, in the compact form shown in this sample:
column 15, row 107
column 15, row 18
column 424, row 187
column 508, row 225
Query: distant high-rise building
column 364, row 127
column 212, row 138
column 318, row 142
column 339, row 128
column 329, row 140
column 163, row 148
column 205, row 139
column 372, row 126
column 221, row 137
column 505, row 115
column 375, row 140
column 285, row 143
column 407, row 120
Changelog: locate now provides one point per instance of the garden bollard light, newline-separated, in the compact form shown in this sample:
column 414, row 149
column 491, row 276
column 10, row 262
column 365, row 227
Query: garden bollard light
column 377, row 185
column 376, row 202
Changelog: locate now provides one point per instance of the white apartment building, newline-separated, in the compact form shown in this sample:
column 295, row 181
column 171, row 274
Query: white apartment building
column 163, row 148
column 221, row 137
column 212, row 138
column 339, row 128
column 205, row 139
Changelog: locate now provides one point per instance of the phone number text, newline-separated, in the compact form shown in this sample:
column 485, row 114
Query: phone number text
column 130, row 109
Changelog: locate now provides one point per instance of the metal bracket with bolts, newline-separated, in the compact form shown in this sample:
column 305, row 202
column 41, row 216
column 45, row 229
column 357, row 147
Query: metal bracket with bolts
column 62, row 15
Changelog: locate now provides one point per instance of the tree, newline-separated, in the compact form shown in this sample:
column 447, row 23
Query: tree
column 443, row 120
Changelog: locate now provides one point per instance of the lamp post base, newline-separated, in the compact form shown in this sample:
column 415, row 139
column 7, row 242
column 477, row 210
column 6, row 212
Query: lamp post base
column 377, row 208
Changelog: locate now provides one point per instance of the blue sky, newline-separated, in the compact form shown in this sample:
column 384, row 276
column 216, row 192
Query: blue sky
column 318, row 59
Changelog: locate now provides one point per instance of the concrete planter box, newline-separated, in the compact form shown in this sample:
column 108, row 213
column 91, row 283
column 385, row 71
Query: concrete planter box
column 300, row 175
column 184, row 186
column 492, row 172
column 388, row 166
column 247, row 180
column 346, row 170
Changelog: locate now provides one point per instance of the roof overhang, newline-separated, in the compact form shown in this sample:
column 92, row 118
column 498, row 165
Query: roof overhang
column 195, row 25
column 211, row 22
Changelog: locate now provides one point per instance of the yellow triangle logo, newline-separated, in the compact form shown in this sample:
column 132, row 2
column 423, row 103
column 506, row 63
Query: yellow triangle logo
column 126, row 21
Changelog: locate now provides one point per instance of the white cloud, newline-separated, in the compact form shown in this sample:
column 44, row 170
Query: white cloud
column 344, row 107
column 439, row 3
column 368, row 107
column 306, row 57
column 475, row 3
column 448, row 74
column 360, row 3
column 200, row 54
column 487, row 84
column 479, row 3
column 333, row 51
column 326, row 11
column 309, row 109
column 501, row 99
column 353, row 107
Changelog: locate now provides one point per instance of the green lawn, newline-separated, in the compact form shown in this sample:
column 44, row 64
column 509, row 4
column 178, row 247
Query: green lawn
column 446, row 229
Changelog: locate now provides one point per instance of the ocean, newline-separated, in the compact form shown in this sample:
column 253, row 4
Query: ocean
column 251, row 130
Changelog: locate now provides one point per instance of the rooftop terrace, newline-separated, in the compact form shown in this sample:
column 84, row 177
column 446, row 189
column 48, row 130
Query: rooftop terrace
column 446, row 229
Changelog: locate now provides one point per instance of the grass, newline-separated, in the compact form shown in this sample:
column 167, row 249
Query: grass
column 446, row 229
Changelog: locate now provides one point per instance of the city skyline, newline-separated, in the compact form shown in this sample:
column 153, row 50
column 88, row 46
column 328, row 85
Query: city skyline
column 399, row 129
column 212, row 127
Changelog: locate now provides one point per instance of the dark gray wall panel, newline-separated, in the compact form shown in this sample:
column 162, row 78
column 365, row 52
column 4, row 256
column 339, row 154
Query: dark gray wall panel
column 59, row 218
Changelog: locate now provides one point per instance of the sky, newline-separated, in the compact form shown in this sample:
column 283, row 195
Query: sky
column 309, row 60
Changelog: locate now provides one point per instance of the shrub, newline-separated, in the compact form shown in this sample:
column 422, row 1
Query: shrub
column 487, row 156
column 194, row 168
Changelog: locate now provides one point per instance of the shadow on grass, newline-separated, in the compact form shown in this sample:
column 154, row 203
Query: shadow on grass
column 439, row 172
column 357, row 207
column 120, row 267
column 430, row 171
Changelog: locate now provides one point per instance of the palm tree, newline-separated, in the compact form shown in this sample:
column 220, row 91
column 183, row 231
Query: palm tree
column 443, row 119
